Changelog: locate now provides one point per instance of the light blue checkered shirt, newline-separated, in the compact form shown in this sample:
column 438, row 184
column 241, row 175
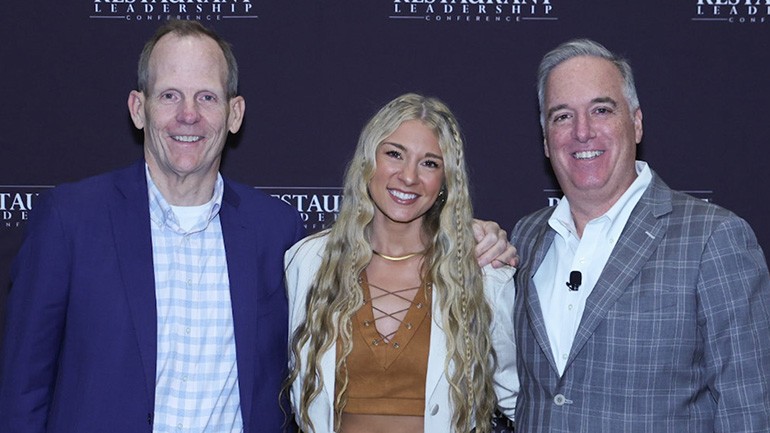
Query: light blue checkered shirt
column 196, row 378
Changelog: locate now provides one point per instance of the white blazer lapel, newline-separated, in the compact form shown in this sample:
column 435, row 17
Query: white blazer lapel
column 437, row 356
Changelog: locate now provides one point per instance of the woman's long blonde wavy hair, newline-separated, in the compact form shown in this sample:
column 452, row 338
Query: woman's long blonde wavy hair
column 450, row 263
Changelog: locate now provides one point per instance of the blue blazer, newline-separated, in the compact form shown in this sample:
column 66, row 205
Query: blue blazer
column 80, row 349
column 674, row 337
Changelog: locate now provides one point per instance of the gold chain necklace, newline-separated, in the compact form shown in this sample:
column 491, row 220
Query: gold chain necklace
column 398, row 258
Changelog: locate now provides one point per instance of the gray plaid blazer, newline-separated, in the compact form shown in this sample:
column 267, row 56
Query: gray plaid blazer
column 675, row 336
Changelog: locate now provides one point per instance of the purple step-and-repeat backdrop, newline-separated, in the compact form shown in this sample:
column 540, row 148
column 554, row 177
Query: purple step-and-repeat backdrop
column 313, row 71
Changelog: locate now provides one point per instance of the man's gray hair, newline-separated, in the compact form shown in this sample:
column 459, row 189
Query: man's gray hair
column 578, row 48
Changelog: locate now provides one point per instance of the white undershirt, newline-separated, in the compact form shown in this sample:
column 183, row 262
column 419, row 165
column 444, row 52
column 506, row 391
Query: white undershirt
column 188, row 216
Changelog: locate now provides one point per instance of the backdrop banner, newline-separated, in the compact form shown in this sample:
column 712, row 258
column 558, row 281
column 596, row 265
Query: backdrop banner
column 313, row 71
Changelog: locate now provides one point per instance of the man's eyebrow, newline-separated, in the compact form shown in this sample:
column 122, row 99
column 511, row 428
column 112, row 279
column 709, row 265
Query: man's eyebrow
column 600, row 100
column 605, row 99
column 555, row 109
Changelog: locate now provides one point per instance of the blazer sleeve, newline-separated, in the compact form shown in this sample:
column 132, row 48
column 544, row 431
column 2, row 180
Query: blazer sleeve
column 35, row 317
column 500, row 291
column 734, row 317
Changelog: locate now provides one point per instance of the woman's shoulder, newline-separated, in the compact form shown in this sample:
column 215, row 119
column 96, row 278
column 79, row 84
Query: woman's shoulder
column 308, row 246
column 307, row 252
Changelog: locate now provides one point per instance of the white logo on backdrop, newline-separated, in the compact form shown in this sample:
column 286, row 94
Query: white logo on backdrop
column 161, row 10
column 733, row 11
column 473, row 11
column 318, row 206
column 16, row 202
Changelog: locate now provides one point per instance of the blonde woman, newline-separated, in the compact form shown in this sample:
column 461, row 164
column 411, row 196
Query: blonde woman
column 395, row 326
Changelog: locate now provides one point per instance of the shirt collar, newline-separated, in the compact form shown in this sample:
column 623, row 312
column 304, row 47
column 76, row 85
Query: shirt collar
column 561, row 219
column 162, row 213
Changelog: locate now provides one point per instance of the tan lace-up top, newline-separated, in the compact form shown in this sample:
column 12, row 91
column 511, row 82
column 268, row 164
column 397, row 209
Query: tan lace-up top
column 386, row 374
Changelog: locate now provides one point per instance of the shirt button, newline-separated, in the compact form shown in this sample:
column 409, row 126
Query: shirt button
column 184, row 378
column 187, row 330
column 559, row 400
column 564, row 356
column 569, row 307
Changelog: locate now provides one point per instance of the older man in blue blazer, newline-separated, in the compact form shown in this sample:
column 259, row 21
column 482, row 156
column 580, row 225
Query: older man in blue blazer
column 151, row 299
column 639, row 309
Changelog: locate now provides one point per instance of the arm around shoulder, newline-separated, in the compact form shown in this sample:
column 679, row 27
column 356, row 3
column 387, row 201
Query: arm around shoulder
column 500, row 291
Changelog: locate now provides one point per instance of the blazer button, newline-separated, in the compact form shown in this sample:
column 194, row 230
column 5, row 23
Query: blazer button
column 434, row 410
column 559, row 400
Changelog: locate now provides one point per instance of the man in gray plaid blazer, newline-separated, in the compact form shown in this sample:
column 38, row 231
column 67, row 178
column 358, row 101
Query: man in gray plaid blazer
column 638, row 308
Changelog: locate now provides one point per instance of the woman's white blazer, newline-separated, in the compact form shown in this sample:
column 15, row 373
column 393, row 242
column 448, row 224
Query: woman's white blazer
column 302, row 262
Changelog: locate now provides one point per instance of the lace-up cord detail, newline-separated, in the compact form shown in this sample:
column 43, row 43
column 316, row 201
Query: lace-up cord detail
column 397, row 315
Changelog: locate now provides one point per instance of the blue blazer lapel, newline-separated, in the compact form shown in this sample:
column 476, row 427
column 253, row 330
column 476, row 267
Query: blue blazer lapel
column 532, row 301
column 133, row 242
column 240, row 243
column 643, row 232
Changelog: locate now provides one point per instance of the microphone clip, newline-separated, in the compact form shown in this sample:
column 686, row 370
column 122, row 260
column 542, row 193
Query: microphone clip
column 575, row 280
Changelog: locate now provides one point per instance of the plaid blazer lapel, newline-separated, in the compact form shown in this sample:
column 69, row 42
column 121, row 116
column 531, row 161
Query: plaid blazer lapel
column 534, row 312
column 643, row 233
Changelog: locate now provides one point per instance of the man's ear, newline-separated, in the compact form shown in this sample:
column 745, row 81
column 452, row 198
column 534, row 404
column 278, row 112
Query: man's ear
column 136, row 108
column 638, row 130
column 237, row 110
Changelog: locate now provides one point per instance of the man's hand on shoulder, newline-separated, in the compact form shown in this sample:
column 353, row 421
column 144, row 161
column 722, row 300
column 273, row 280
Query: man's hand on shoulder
column 492, row 245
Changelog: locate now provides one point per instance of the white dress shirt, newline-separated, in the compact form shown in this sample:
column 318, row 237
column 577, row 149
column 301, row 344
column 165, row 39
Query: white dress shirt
column 563, row 308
